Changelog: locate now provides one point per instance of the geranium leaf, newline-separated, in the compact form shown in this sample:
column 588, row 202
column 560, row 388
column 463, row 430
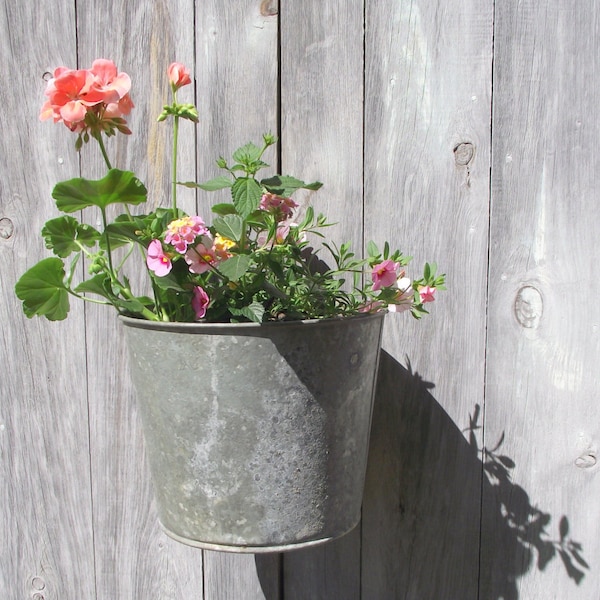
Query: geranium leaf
column 99, row 284
column 63, row 234
column 235, row 267
column 116, row 187
column 229, row 226
column 42, row 290
column 246, row 194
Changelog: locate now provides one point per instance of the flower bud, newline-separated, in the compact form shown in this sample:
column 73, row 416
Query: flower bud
column 178, row 75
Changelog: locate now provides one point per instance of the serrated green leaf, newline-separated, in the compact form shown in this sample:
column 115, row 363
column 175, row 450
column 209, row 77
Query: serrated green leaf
column 223, row 208
column 246, row 194
column 253, row 312
column 235, row 267
column 42, row 290
column 218, row 183
column 64, row 235
column 285, row 185
column 116, row 187
column 230, row 227
column 247, row 154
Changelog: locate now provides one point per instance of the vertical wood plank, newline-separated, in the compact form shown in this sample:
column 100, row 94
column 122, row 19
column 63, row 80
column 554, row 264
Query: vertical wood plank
column 45, row 500
column 236, row 79
column 427, row 153
column 321, row 131
column 543, row 348
column 134, row 558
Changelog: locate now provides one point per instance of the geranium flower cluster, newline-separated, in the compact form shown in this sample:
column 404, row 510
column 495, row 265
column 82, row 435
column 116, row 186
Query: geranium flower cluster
column 255, row 261
column 94, row 100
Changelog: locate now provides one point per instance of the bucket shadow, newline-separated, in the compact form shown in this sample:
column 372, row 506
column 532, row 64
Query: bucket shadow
column 441, row 516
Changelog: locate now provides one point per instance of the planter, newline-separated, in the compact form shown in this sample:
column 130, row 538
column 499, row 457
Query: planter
column 257, row 435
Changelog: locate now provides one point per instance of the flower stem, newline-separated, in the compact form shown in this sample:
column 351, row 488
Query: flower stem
column 100, row 141
column 174, row 166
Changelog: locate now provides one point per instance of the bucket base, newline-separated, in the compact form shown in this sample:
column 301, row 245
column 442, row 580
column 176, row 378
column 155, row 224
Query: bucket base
column 250, row 549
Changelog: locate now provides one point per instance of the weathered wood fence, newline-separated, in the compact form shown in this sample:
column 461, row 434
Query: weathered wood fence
column 462, row 130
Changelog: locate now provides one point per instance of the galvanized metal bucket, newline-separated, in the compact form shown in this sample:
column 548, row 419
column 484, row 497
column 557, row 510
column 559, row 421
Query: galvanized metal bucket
column 257, row 435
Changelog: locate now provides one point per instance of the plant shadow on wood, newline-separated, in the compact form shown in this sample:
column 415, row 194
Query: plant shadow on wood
column 422, row 516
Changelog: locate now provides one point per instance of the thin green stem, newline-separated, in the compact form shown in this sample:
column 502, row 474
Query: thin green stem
column 98, row 138
column 174, row 165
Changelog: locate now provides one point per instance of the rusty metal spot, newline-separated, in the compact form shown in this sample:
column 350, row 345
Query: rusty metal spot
column 464, row 154
column 6, row 228
column 529, row 307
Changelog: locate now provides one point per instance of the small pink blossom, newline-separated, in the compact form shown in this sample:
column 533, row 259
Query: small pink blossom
column 200, row 302
column 404, row 298
column 384, row 274
column 283, row 208
column 184, row 231
column 427, row 293
column 201, row 257
column 157, row 260
column 178, row 75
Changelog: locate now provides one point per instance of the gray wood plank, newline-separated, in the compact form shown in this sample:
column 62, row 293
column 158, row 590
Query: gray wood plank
column 45, row 499
column 427, row 153
column 322, row 121
column 236, row 79
column 543, row 348
column 134, row 558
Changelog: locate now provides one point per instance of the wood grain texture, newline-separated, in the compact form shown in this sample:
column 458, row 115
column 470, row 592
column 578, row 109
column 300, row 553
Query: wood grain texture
column 134, row 558
column 427, row 93
column 321, row 133
column 236, row 88
column 45, row 501
column 389, row 104
column 543, row 348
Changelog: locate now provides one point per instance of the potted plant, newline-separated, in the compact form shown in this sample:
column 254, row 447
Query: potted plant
column 254, row 355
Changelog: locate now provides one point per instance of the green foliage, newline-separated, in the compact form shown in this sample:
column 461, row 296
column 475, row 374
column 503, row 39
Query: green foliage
column 257, row 261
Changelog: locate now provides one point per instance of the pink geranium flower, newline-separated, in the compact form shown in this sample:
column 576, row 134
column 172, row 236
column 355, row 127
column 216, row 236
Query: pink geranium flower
column 157, row 260
column 384, row 274
column 200, row 302
column 178, row 75
column 113, row 85
column 427, row 293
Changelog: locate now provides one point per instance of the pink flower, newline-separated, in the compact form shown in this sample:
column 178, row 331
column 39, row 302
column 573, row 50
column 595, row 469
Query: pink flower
column 157, row 260
column 178, row 75
column 427, row 293
column 283, row 208
column 201, row 257
column 371, row 307
column 114, row 86
column 384, row 274
column 404, row 298
column 70, row 94
column 101, row 90
column 184, row 231
column 200, row 302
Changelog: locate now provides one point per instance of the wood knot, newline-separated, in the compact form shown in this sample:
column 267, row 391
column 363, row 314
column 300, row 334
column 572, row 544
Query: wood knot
column 529, row 307
column 268, row 8
column 6, row 228
column 586, row 461
column 463, row 154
